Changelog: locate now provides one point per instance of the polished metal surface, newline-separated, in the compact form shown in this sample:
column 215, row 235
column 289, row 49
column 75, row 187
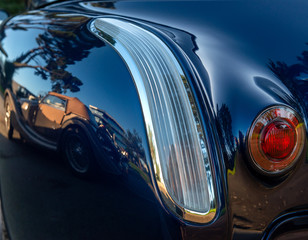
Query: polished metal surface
column 175, row 135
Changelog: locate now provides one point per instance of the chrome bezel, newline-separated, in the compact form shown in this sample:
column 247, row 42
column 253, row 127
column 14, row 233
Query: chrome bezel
column 296, row 153
column 186, row 214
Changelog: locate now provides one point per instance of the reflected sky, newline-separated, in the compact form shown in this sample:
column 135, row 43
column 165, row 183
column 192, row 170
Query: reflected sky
column 16, row 45
column 106, row 83
column 109, row 85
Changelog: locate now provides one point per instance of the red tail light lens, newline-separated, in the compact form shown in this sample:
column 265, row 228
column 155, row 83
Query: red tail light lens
column 276, row 139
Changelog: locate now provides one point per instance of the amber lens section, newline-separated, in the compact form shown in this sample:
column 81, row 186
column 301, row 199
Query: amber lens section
column 276, row 140
column 279, row 140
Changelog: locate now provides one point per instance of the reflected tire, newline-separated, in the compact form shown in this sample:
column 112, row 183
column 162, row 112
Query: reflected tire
column 4, row 232
column 78, row 153
column 8, row 119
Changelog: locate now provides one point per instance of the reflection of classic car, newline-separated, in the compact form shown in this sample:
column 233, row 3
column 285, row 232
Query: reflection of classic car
column 63, row 123
column 202, row 104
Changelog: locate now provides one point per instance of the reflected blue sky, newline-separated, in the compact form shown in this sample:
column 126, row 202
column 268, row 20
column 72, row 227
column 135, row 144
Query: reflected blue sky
column 104, row 86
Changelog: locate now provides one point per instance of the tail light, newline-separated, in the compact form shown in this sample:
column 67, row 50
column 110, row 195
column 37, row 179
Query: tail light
column 178, row 148
column 276, row 140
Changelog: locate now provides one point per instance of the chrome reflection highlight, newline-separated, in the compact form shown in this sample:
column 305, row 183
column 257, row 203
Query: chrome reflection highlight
column 174, row 130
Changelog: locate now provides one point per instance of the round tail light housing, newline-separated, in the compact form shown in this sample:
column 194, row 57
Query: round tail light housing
column 276, row 140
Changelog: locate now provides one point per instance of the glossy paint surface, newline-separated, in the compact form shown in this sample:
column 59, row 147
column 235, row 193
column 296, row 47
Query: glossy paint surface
column 33, row 4
column 292, row 225
column 60, row 55
column 241, row 57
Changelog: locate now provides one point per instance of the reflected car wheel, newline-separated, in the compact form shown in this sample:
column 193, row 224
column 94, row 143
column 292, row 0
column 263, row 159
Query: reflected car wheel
column 7, row 120
column 78, row 152
column 4, row 232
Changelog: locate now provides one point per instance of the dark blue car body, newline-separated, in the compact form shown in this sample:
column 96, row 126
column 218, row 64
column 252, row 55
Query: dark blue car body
column 240, row 58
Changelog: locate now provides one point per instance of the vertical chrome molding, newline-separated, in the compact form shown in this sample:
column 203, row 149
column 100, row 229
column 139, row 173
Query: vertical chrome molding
column 174, row 131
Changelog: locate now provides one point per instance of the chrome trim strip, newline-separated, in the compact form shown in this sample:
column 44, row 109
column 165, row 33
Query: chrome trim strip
column 141, row 50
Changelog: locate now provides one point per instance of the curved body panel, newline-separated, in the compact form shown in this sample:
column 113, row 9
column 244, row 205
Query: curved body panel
column 239, row 59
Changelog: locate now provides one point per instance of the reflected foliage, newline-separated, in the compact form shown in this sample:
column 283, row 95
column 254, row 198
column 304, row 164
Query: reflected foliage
column 226, row 136
column 294, row 76
column 109, row 5
column 51, row 118
column 63, row 43
column 13, row 6
column 133, row 145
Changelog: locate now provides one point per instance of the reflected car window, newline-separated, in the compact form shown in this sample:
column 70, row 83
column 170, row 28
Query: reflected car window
column 55, row 102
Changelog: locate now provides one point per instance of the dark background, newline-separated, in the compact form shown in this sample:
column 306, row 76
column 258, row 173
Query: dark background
column 13, row 7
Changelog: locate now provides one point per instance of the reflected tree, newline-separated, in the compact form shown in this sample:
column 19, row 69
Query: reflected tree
column 61, row 42
column 294, row 76
column 226, row 136
column 108, row 5
column 134, row 148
